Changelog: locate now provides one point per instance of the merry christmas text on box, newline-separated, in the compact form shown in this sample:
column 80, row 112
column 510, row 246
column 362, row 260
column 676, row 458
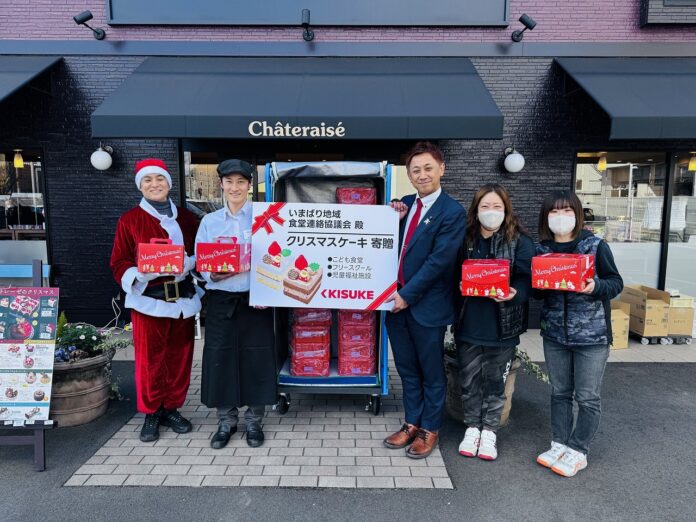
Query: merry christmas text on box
column 160, row 256
column 486, row 278
column 567, row 272
column 223, row 256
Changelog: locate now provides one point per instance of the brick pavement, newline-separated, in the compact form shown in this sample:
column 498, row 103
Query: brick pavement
column 326, row 441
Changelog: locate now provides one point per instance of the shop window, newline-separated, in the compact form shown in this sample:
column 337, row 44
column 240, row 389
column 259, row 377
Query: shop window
column 622, row 195
column 682, row 235
column 22, row 214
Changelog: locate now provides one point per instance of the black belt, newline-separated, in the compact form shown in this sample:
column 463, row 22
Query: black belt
column 171, row 291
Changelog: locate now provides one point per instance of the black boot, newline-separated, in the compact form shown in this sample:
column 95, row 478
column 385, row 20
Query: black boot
column 254, row 435
column 175, row 421
column 222, row 436
column 150, row 430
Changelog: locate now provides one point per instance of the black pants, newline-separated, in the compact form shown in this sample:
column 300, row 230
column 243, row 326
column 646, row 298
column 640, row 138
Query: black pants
column 483, row 371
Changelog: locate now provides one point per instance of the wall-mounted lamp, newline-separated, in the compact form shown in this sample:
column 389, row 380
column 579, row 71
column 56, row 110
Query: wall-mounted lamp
column 308, row 34
column 101, row 158
column 86, row 16
column 528, row 23
column 18, row 159
column 514, row 161
column 692, row 163
column 602, row 163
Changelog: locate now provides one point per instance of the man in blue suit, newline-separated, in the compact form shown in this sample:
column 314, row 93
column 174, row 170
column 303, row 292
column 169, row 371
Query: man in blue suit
column 429, row 238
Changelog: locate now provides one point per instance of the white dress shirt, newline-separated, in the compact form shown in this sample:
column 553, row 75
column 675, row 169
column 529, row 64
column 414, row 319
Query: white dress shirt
column 427, row 202
column 223, row 223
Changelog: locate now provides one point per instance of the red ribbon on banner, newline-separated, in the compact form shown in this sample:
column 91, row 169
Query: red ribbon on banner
column 382, row 297
column 264, row 220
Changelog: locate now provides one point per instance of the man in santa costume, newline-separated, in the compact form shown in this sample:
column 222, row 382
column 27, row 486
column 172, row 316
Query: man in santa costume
column 162, row 307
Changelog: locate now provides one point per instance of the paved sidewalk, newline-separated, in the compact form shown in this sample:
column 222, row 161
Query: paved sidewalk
column 323, row 441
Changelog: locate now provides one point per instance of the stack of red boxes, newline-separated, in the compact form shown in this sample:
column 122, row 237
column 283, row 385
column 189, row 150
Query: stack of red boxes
column 311, row 342
column 356, row 196
column 356, row 342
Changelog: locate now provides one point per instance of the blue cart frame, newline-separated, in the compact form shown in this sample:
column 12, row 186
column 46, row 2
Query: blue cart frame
column 375, row 386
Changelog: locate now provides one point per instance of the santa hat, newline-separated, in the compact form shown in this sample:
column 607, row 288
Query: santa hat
column 151, row 166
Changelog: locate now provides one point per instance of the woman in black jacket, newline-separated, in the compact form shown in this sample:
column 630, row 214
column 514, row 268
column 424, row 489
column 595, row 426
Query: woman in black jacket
column 577, row 333
column 487, row 331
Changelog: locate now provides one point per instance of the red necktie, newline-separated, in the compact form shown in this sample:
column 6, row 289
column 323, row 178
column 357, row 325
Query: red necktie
column 409, row 234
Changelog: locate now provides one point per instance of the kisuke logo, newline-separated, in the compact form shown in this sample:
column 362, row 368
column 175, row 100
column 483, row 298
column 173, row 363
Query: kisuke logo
column 348, row 294
column 286, row 130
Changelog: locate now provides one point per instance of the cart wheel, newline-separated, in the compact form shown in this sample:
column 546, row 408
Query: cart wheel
column 664, row 340
column 644, row 340
column 283, row 404
column 375, row 404
column 688, row 340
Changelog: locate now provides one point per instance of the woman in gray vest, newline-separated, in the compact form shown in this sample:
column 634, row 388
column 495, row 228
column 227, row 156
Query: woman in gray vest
column 577, row 333
column 488, row 329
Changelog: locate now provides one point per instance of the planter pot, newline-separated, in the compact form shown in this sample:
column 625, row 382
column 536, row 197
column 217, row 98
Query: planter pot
column 453, row 402
column 81, row 390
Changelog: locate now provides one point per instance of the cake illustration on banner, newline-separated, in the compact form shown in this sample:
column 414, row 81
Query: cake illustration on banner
column 303, row 280
column 31, row 413
column 45, row 379
column 273, row 266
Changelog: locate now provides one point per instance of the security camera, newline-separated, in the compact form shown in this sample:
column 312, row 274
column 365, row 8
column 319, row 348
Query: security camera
column 305, row 18
column 528, row 23
column 307, row 34
column 83, row 17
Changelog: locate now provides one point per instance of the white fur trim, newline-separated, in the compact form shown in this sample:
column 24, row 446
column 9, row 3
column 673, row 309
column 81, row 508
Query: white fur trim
column 152, row 169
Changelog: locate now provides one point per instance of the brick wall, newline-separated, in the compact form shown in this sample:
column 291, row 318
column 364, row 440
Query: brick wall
column 587, row 21
column 82, row 204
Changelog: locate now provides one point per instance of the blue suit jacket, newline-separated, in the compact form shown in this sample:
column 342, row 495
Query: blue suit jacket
column 428, row 263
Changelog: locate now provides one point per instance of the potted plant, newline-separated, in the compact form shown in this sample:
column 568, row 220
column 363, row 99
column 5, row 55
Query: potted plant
column 454, row 401
column 81, row 372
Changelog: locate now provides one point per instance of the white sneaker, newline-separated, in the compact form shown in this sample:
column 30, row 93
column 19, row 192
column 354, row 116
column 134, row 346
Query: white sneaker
column 570, row 463
column 550, row 457
column 487, row 449
column 470, row 443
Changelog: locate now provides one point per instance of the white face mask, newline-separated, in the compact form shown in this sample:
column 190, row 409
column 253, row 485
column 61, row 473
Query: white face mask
column 491, row 219
column 561, row 225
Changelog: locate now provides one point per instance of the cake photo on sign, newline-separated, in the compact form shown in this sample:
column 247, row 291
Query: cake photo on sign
column 303, row 280
column 273, row 267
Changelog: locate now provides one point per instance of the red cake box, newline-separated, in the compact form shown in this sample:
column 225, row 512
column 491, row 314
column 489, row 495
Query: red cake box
column 312, row 316
column 160, row 256
column 224, row 255
column 356, row 196
column 303, row 334
column 355, row 350
column 357, row 366
column 567, row 272
column 311, row 351
column 486, row 278
column 357, row 333
column 318, row 367
column 346, row 317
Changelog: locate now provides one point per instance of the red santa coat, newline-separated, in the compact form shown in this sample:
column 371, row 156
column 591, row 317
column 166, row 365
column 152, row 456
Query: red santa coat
column 163, row 332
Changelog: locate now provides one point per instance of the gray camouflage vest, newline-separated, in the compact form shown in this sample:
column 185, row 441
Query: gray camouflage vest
column 572, row 318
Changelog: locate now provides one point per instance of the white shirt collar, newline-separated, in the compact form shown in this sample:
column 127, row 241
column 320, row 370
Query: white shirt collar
column 430, row 198
column 242, row 211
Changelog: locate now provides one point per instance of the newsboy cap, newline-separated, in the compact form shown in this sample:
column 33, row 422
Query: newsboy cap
column 235, row 166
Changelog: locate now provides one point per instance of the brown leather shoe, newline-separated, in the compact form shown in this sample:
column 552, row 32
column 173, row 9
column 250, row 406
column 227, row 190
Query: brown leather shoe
column 423, row 445
column 401, row 438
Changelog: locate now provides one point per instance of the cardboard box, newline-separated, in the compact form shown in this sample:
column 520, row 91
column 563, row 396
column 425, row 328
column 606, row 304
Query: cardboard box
column 160, row 256
column 486, row 278
column 620, row 318
column 681, row 301
column 224, row 255
column 681, row 321
column 566, row 272
column 649, row 310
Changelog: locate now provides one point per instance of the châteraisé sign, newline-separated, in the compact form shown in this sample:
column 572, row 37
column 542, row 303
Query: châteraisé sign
column 279, row 129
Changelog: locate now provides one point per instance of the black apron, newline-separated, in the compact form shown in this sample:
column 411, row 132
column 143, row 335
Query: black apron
column 239, row 363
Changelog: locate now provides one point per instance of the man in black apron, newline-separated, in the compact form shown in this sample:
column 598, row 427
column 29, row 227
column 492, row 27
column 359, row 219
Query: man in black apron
column 239, row 365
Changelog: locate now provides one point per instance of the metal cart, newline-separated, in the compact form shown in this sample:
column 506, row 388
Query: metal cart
column 316, row 182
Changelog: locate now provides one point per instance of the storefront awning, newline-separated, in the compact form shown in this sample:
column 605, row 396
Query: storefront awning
column 646, row 98
column 17, row 71
column 301, row 98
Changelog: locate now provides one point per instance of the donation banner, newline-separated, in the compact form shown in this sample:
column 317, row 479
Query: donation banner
column 28, row 318
column 306, row 255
